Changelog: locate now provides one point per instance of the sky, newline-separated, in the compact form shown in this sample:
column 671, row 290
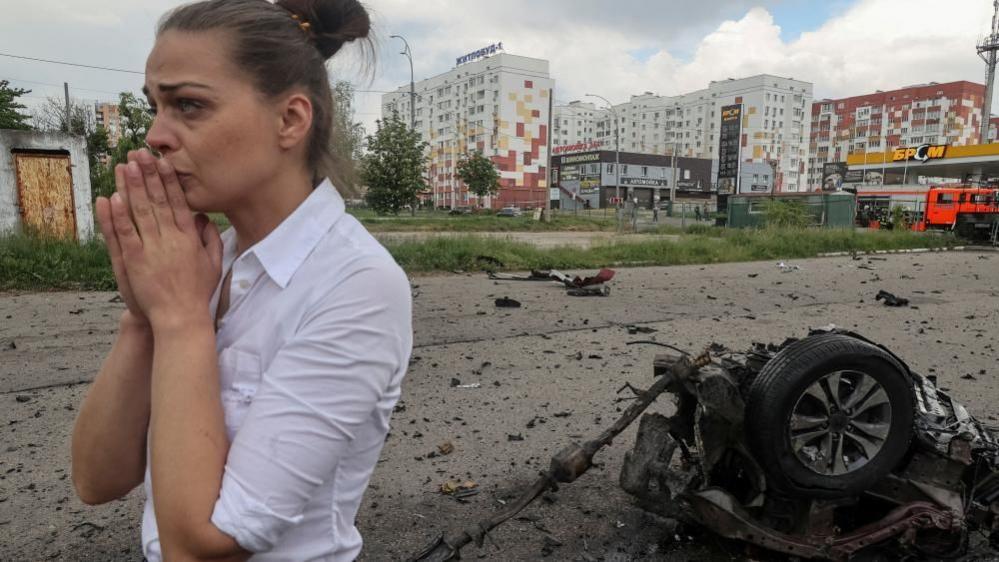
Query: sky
column 615, row 49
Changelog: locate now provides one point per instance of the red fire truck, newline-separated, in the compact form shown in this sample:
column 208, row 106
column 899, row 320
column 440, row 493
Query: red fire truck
column 970, row 211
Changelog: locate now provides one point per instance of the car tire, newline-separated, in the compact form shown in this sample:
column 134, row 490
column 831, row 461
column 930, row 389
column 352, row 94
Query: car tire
column 816, row 442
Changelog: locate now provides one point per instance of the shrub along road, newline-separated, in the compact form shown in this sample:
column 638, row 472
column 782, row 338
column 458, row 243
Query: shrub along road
column 532, row 386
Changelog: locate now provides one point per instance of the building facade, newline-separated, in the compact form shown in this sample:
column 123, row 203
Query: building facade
column 499, row 105
column 108, row 116
column 946, row 114
column 596, row 179
column 774, row 129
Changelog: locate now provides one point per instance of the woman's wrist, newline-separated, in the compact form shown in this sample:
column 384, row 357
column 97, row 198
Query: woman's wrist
column 131, row 324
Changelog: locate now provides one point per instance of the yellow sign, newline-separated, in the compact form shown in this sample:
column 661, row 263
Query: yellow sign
column 920, row 153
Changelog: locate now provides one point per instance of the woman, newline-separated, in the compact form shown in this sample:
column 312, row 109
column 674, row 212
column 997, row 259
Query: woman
column 254, row 372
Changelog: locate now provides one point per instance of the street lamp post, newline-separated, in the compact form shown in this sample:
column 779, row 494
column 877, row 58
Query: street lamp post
column 412, row 85
column 617, row 157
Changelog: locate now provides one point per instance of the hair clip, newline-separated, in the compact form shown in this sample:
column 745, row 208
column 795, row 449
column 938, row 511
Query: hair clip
column 303, row 25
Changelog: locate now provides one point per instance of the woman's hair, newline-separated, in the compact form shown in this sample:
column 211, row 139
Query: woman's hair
column 284, row 45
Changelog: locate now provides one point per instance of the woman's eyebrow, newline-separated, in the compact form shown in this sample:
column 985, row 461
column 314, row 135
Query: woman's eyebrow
column 165, row 88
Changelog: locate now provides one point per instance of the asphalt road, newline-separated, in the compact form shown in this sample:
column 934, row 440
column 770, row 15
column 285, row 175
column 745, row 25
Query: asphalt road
column 534, row 395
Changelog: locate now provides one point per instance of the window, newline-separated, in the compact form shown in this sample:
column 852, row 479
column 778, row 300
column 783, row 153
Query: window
column 624, row 168
column 645, row 171
column 945, row 198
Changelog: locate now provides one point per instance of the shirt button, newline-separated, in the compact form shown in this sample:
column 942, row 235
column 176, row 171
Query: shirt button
column 244, row 284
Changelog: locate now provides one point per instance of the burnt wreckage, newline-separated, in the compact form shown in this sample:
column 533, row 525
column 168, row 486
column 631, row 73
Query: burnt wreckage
column 818, row 448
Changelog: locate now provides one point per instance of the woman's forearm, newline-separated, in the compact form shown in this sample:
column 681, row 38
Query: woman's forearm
column 188, row 439
column 109, row 437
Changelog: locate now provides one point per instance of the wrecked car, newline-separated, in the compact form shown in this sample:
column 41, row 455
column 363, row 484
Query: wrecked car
column 819, row 448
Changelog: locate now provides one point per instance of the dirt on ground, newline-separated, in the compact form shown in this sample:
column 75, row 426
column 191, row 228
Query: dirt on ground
column 543, row 375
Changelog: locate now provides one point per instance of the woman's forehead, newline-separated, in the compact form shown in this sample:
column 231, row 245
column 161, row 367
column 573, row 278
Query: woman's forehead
column 200, row 57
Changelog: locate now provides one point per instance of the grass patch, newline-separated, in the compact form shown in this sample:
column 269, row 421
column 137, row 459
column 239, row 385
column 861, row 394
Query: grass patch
column 440, row 221
column 41, row 264
column 34, row 264
column 720, row 246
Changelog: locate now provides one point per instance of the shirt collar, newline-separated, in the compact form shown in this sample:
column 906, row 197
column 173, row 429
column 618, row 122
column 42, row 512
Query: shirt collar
column 284, row 250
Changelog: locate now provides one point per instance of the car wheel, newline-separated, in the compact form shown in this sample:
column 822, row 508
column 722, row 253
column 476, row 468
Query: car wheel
column 829, row 416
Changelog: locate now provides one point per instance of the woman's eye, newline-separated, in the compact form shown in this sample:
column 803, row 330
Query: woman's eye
column 187, row 106
column 151, row 111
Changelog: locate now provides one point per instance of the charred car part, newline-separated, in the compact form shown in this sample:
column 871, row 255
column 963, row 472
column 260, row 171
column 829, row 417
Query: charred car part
column 818, row 448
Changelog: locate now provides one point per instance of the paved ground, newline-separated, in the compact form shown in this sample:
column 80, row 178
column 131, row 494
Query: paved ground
column 532, row 386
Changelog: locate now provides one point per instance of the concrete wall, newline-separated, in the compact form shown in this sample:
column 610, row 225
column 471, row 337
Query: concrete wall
column 75, row 146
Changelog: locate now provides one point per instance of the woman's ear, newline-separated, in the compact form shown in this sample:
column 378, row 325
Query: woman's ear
column 296, row 120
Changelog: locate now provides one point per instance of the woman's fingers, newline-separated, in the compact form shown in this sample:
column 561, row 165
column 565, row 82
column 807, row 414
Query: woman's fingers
column 103, row 208
column 212, row 241
column 124, row 229
column 156, row 193
column 175, row 195
column 138, row 200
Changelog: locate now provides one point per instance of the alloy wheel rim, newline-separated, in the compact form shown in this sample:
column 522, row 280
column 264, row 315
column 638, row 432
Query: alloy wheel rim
column 840, row 423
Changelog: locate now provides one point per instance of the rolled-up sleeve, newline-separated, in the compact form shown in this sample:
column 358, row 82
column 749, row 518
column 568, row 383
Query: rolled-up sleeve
column 339, row 374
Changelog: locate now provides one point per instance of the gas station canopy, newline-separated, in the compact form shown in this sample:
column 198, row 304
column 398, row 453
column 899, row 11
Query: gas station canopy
column 905, row 164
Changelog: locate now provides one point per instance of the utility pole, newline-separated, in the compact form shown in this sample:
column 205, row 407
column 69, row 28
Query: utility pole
column 617, row 157
column 987, row 49
column 676, row 145
column 548, row 184
column 69, row 126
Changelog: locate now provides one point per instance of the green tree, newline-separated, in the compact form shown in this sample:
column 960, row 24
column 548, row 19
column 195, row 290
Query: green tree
column 348, row 136
column 393, row 168
column 479, row 174
column 10, row 109
column 786, row 213
column 135, row 122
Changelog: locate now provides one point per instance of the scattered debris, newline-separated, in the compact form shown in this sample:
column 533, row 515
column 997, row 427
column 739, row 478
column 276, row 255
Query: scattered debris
column 890, row 299
column 445, row 448
column 632, row 330
column 473, row 385
column 507, row 302
column 590, row 291
column 786, row 267
column 11, row 345
column 460, row 490
column 517, row 437
column 22, row 398
column 728, row 460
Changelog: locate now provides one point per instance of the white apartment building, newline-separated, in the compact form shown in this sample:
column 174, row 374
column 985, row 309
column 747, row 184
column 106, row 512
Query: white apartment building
column 776, row 124
column 499, row 105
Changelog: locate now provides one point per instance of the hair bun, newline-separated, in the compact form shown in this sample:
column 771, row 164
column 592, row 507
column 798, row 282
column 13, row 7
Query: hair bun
column 332, row 23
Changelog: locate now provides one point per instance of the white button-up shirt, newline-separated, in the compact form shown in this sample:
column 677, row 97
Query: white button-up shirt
column 312, row 352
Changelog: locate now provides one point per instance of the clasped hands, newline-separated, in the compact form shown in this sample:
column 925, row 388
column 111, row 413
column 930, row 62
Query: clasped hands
column 167, row 260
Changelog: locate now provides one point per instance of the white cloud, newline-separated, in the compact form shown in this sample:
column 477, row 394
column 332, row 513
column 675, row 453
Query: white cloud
column 872, row 44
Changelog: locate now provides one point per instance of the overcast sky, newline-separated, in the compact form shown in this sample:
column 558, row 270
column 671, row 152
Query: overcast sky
column 613, row 48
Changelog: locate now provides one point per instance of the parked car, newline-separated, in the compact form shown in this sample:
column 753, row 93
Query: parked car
column 509, row 212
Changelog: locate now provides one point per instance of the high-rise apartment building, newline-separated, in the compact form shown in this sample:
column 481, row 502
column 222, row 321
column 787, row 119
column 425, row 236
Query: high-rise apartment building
column 774, row 129
column 931, row 113
column 107, row 116
column 499, row 105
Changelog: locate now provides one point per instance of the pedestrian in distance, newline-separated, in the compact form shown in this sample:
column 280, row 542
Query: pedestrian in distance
column 697, row 213
column 254, row 372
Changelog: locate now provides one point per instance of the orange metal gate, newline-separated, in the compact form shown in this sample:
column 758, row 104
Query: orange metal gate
column 45, row 194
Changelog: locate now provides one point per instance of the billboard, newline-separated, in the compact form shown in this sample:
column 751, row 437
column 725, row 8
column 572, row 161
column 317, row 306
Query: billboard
column 729, row 146
column 833, row 174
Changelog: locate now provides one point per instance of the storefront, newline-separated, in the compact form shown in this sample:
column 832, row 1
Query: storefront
column 600, row 179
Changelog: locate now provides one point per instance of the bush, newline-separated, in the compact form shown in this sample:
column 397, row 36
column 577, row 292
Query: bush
column 786, row 213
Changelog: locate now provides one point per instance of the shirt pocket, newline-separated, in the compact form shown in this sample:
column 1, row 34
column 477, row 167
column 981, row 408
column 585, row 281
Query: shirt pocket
column 240, row 374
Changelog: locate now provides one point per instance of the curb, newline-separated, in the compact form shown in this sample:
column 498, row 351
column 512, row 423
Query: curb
column 911, row 251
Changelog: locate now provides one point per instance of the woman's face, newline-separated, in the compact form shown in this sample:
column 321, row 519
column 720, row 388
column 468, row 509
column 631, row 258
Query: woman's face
column 210, row 122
